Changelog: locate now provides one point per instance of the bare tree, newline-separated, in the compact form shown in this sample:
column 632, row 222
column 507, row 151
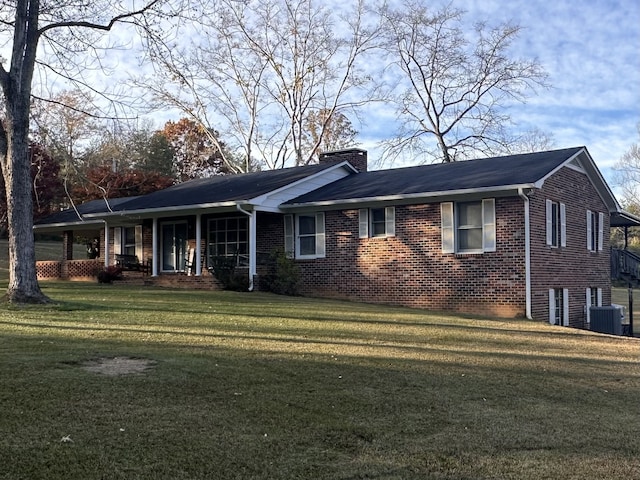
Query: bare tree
column 62, row 32
column 324, row 134
column 259, row 68
column 455, row 83
column 628, row 175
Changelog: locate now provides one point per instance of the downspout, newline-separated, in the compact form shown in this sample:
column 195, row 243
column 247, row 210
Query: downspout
column 527, row 253
column 252, row 243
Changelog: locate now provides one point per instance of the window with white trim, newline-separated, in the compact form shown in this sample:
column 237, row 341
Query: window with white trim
column 468, row 227
column 593, row 299
column 595, row 231
column 559, row 306
column 377, row 222
column 228, row 237
column 304, row 235
column 128, row 241
column 556, row 213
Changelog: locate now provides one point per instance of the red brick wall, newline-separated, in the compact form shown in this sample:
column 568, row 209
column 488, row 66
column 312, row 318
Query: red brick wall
column 573, row 266
column 410, row 268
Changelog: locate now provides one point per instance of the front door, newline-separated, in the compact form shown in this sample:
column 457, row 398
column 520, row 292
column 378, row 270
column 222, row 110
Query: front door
column 174, row 246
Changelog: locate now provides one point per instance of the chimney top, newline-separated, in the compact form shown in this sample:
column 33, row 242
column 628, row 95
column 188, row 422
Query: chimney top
column 355, row 156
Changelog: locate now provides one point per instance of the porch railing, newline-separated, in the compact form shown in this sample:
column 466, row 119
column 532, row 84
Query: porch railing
column 625, row 265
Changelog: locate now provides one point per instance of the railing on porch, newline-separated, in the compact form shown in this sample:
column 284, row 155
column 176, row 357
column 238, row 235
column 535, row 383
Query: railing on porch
column 625, row 265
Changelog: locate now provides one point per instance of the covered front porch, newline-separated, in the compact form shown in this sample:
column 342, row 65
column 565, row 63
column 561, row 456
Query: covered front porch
column 179, row 251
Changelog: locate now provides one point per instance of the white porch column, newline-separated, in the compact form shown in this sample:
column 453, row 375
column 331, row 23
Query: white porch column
column 154, row 248
column 105, row 248
column 198, row 244
column 252, row 248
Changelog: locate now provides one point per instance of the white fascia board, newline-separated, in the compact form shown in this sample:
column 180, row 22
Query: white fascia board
column 408, row 198
column 155, row 212
column 58, row 226
column 260, row 200
column 593, row 173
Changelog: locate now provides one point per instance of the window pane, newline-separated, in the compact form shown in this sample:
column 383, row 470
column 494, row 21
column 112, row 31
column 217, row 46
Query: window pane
column 470, row 239
column 308, row 245
column 378, row 222
column 377, row 215
column 307, row 225
column 130, row 235
column 470, row 214
column 378, row 229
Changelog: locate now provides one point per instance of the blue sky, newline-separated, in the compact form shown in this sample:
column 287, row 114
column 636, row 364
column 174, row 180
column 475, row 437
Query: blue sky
column 591, row 50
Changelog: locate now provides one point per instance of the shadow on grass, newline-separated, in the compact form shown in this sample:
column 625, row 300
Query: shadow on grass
column 232, row 411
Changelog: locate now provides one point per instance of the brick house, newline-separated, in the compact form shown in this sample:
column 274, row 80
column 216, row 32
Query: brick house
column 516, row 236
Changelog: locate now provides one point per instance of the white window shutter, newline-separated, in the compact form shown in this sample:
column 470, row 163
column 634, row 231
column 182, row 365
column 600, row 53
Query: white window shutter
column 599, row 297
column 289, row 243
column 549, row 222
column 565, row 307
column 489, row 225
column 320, row 236
column 600, row 230
column 139, row 243
column 552, row 306
column 363, row 219
column 390, row 221
column 588, row 305
column 563, row 225
column 117, row 241
column 589, row 238
column 447, row 227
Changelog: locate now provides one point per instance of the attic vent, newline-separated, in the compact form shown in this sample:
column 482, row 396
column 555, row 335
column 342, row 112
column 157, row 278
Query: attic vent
column 575, row 163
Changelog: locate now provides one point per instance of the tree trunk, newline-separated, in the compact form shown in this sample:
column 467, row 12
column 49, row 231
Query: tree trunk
column 23, row 283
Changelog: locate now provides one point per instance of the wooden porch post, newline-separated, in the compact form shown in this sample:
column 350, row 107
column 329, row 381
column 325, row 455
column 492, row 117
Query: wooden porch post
column 67, row 253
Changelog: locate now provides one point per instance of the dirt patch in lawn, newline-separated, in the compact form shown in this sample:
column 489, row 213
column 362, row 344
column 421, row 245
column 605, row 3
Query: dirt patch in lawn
column 115, row 366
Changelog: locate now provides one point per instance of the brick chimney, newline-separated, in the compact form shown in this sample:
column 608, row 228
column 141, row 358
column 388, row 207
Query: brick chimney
column 355, row 156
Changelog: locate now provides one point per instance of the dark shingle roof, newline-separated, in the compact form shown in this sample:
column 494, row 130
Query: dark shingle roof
column 444, row 177
column 94, row 206
column 229, row 188
column 524, row 169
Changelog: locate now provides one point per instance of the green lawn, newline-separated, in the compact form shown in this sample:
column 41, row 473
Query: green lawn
column 256, row 386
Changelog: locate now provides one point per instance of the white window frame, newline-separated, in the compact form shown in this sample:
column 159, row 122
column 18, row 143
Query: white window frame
column 449, row 227
column 557, row 216
column 556, row 307
column 242, row 225
column 365, row 222
column 292, row 235
column 119, row 241
column 595, row 231
column 592, row 294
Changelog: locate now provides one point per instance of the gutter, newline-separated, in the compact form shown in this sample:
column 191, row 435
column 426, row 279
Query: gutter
column 408, row 197
column 527, row 253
